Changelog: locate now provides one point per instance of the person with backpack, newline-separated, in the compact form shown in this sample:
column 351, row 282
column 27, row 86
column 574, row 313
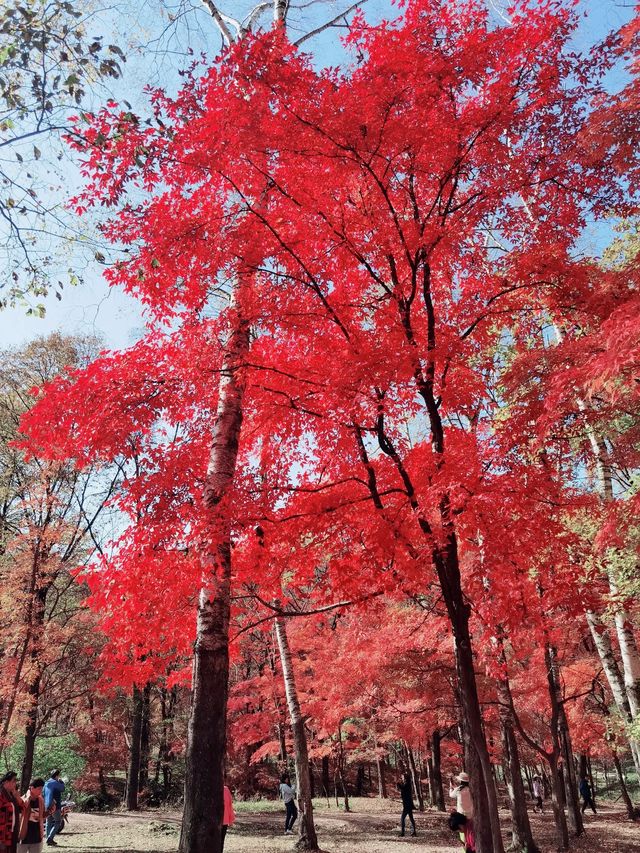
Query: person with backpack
column 32, row 824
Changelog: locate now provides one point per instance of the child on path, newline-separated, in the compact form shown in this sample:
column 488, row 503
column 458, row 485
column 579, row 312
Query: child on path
column 464, row 826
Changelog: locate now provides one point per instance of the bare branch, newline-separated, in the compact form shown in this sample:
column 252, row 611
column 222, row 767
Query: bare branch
column 329, row 23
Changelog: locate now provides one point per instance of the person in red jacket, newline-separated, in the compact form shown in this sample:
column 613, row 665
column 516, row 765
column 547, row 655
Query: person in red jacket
column 10, row 813
column 229, row 815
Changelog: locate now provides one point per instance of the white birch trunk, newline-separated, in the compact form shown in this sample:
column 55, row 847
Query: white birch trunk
column 306, row 828
column 602, row 641
column 206, row 734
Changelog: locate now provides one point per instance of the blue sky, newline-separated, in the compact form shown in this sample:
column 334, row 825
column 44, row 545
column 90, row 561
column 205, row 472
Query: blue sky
column 93, row 308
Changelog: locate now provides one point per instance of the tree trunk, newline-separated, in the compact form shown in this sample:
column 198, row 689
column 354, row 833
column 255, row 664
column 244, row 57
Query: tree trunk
column 102, row 782
column 31, row 725
column 436, row 757
column 445, row 559
column 145, row 735
column 626, row 639
column 631, row 813
column 207, row 729
column 31, row 644
column 557, row 798
column 29, row 750
column 602, row 642
column 340, row 772
column 133, row 771
column 415, row 778
column 576, row 823
column 522, row 838
column 165, row 756
column 307, row 832
column 557, row 786
column 326, row 779
column 382, row 782
column 486, row 822
column 630, row 656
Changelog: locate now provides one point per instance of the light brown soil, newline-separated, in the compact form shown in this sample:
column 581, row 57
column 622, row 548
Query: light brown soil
column 372, row 827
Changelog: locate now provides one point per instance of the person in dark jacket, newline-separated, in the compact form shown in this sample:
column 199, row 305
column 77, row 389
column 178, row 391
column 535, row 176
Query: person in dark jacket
column 406, row 795
column 10, row 812
column 53, row 804
column 587, row 795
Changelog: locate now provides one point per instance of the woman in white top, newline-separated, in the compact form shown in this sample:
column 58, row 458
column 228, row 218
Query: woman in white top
column 462, row 795
column 288, row 795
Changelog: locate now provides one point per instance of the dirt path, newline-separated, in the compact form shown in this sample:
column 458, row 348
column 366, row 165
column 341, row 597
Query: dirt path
column 371, row 828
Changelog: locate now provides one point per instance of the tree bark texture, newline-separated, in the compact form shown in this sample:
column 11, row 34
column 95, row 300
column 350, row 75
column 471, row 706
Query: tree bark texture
column 571, row 788
column 557, row 786
column 382, row 782
column 631, row 812
column 487, row 823
column 415, row 777
column 307, row 832
column 133, row 770
column 602, row 641
column 436, row 759
column 624, row 629
column 206, row 733
column 522, row 837
column 145, row 735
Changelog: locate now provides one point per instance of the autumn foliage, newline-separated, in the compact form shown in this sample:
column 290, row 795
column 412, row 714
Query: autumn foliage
column 429, row 364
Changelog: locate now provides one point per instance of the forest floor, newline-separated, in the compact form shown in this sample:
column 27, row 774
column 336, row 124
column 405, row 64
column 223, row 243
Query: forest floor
column 371, row 827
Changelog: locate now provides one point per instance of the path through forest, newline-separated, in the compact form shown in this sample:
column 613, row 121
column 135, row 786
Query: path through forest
column 371, row 828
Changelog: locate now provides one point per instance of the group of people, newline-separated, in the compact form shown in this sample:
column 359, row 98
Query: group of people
column 30, row 821
column 584, row 789
column 460, row 820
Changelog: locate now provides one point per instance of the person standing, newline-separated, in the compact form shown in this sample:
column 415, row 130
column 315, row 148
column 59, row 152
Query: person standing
column 289, row 797
column 53, row 804
column 461, row 794
column 587, row 795
column 464, row 804
column 10, row 812
column 538, row 792
column 406, row 794
column 32, row 825
column 229, row 816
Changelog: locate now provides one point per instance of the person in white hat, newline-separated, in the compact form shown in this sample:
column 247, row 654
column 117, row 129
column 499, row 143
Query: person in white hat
column 461, row 794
